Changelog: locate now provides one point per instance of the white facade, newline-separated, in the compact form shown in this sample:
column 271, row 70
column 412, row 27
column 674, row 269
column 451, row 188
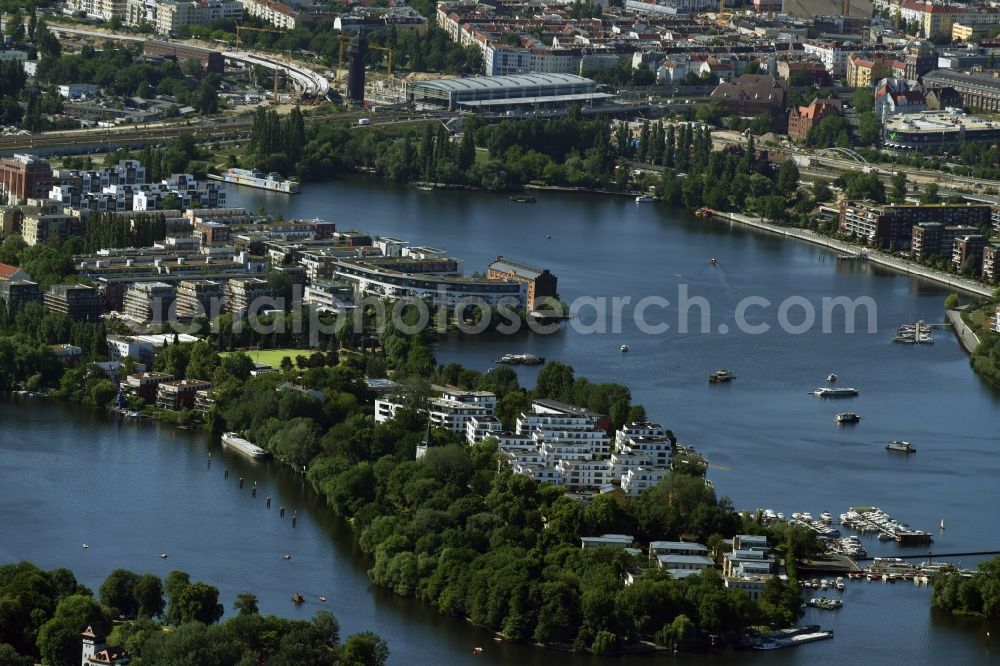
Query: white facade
column 831, row 54
column 452, row 411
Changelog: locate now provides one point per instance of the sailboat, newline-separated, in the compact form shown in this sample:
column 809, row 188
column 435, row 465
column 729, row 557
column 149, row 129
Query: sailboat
column 942, row 524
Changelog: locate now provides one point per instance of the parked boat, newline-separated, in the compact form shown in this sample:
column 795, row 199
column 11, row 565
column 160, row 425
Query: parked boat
column 258, row 179
column 624, row 348
column 840, row 392
column 645, row 198
column 520, row 359
column 522, row 199
column 902, row 447
column 720, row 377
column 847, row 417
column 234, row 441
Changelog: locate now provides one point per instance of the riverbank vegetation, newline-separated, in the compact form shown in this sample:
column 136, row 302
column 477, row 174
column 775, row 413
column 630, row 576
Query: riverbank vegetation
column 161, row 623
column 977, row 596
column 980, row 317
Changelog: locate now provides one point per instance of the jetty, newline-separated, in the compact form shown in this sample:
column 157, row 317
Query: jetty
column 873, row 519
column 843, row 248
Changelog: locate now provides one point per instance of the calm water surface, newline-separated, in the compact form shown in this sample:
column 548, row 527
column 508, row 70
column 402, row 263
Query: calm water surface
column 131, row 491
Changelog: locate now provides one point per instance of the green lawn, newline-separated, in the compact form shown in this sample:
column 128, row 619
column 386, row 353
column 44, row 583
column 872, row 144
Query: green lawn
column 272, row 357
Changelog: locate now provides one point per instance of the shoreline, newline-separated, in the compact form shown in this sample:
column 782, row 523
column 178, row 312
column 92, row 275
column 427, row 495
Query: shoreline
column 874, row 256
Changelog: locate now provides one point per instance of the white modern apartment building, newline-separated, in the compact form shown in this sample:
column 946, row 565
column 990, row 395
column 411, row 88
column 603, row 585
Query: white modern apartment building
column 451, row 410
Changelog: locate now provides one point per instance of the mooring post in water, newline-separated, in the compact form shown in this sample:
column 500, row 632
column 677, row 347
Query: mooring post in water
column 268, row 502
column 282, row 512
column 253, row 492
column 241, row 482
column 227, row 473
column 293, row 518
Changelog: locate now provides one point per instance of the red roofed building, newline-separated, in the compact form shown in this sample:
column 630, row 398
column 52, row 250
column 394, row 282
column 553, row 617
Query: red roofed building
column 96, row 651
column 803, row 118
column 8, row 272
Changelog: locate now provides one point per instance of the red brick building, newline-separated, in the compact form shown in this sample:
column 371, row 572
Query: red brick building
column 25, row 177
column 541, row 283
column 803, row 118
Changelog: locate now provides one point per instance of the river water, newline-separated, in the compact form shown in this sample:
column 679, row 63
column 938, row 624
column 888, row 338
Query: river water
column 134, row 491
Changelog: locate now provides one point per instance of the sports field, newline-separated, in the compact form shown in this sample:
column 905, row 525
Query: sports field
column 272, row 357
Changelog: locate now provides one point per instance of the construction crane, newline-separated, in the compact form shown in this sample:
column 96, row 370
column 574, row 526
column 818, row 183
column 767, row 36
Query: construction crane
column 389, row 51
column 344, row 41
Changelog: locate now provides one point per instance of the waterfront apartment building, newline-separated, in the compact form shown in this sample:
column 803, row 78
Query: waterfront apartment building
column 179, row 394
column 435, row 289
column 886, row 226
column 146, row 384
column 452, row 409
column 540, row 283
column 200, row 298
column 933, row 238
column 149, row 301
column 25, row 177
column 78, row 301
column 246, row 296
column 968, row 250
column 991, row 262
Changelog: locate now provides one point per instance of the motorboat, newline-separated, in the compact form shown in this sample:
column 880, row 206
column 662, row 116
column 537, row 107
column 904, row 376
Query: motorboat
column 847, row 417
column 720, row 377
column 624, row 348
column 831, row 377
column 900, row 446
column 645, row 198
column 839, row 392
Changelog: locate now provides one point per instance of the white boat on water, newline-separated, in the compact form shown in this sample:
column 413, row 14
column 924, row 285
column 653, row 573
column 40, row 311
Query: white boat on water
column 234, row 441
column 902, row 447
column 838, row 392
column 645, row 198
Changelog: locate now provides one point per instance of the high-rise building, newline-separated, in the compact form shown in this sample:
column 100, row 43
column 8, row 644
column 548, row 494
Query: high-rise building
column 79, row 301
column 356, row 71
column 149, row 301
column 200, row 298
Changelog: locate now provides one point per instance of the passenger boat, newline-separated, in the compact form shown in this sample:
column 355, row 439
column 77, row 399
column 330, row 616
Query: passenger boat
column 902, row 447
column 234, row 441
column 828, row 392
column 520, row 359
column 720, row 377
column 254, row 178
column 847, row 417
column 645, row 198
